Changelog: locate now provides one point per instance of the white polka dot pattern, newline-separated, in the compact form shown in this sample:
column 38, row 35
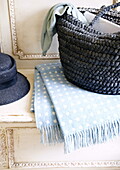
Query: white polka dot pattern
column 56, row 101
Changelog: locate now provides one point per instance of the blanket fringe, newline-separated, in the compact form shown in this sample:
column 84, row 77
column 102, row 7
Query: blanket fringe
column 51, row 135
column 95, row 135
column 84, row 138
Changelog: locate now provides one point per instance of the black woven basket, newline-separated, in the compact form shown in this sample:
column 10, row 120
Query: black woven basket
column 90, row 58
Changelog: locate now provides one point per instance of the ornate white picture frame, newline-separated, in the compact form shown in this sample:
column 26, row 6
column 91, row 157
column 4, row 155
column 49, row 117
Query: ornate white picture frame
column 56, row 164
column 17, row 50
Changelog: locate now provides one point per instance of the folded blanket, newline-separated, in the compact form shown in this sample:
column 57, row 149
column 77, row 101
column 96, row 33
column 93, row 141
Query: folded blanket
column 69, row 114
column 49, row 29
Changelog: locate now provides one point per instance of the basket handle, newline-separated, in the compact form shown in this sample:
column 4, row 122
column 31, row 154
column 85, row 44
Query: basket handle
column 102, row 12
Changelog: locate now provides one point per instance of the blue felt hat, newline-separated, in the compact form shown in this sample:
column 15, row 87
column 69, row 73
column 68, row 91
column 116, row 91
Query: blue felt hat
column 13, row 85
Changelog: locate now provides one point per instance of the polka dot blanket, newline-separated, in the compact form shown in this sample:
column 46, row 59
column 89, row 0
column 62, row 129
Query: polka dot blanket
column 69, row 114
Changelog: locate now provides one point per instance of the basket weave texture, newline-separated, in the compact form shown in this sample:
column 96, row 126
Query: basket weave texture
column 90, row 58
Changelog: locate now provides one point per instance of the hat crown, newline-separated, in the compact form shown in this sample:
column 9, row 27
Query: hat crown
column 13, row 85
column 7, row 68
column 5, row 62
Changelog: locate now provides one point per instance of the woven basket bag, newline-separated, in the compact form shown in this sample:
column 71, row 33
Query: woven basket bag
column 90, row 58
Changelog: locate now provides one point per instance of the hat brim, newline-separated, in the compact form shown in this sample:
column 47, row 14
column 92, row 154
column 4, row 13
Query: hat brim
column 15, row 92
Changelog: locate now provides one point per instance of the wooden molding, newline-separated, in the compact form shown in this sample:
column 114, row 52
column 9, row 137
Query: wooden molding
column 15, row 48
column 54, row 164
column 3, row 150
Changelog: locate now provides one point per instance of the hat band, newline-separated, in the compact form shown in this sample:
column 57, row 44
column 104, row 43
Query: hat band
column 8, row 83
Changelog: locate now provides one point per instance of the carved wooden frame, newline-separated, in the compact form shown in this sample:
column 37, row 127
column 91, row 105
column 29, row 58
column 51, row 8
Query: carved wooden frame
column 55, row 164
column 3, row 149
column 15, row 48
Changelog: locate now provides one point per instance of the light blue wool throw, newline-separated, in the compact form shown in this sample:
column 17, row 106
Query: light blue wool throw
column 69, row 114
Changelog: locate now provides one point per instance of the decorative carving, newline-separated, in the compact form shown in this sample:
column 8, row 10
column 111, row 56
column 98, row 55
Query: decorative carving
column 3, row 150
column 53, row 164
column 13, row 26
column 37, row 56
column 21, row 54
column 78, row 164
column 10, row 147
column 16, row 50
